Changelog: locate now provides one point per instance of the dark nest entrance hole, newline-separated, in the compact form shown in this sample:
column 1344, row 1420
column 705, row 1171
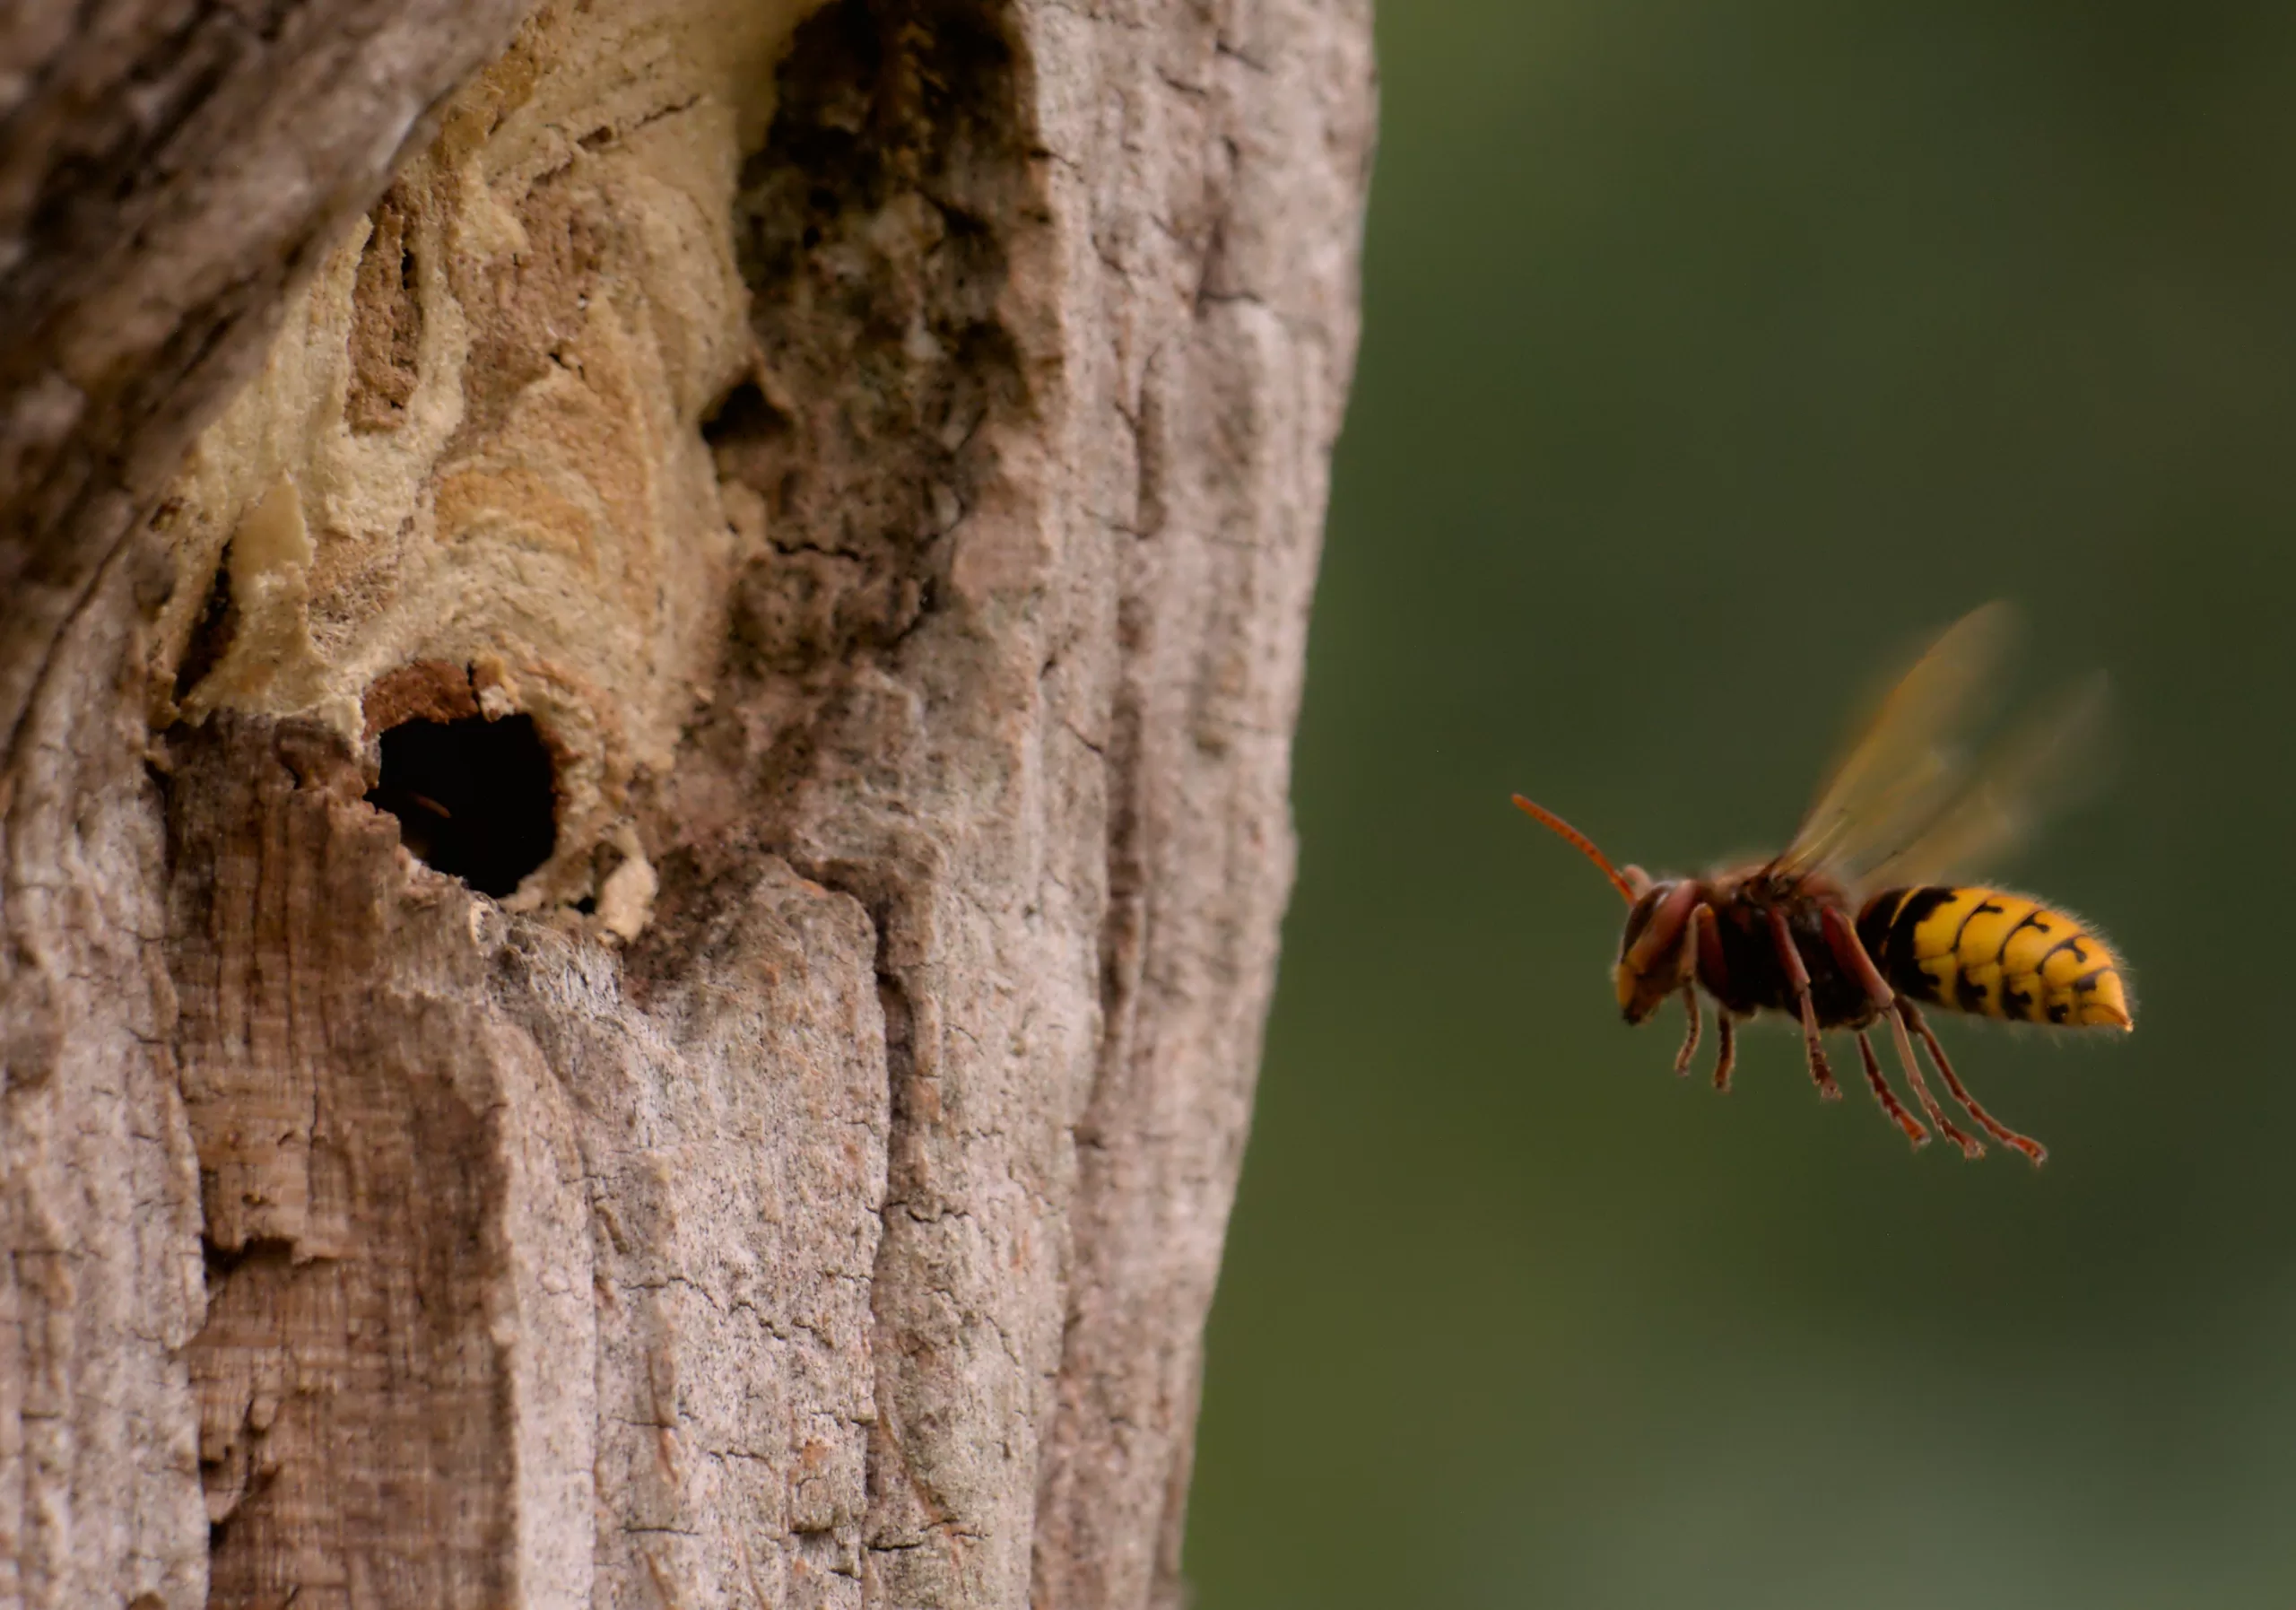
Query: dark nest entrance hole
column 475, row 799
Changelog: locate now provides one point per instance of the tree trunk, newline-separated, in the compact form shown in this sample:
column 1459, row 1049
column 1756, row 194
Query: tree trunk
column 637, row 903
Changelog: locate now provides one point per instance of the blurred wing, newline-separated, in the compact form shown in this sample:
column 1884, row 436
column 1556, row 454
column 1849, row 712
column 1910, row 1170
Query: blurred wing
column 1905, row 767
column 2039, row 766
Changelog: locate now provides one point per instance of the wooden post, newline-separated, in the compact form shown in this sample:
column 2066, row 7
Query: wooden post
column 636, row 901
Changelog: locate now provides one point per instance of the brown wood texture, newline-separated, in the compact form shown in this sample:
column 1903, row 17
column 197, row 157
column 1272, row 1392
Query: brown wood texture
column 168, row 168
column 346, row 1125
column 882, row 448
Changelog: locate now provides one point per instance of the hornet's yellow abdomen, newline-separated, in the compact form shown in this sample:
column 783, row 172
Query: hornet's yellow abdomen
column 1994, row 953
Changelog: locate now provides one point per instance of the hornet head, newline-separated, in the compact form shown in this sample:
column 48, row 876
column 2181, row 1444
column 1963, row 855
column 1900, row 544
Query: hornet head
column 1655, row 955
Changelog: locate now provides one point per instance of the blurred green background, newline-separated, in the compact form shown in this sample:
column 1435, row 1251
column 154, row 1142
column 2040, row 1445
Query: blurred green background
column 1713, row 356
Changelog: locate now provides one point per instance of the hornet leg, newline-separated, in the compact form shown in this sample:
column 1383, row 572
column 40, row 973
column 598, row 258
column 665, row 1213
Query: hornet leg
column 1714, row 973
column 1690, row 1041
column 1888, row 1097
column 1798, row 980
column 2001, row 1132
column 1842, row 940
column 1970, row 1145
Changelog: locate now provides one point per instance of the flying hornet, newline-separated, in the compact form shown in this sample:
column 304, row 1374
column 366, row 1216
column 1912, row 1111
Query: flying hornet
column 1851, row 926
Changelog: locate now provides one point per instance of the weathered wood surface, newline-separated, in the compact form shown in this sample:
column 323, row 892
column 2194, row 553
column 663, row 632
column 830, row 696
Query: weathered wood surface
column 167, row 169
column 896, row 502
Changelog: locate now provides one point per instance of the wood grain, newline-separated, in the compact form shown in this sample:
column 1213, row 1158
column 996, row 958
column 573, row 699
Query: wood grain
column 835, row 1227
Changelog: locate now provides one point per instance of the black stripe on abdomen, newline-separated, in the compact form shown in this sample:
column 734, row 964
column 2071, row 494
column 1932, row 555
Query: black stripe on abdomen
column 1886, row 930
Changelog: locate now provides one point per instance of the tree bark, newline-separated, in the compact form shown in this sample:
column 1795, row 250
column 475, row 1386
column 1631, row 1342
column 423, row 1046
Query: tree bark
column 638, row 898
